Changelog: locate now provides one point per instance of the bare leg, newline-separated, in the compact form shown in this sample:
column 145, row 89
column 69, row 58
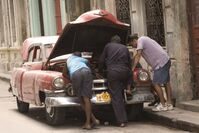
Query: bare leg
column 160, row 93
column 95, row 121
column 168, row 92
column 87, row 108
column 157, row 99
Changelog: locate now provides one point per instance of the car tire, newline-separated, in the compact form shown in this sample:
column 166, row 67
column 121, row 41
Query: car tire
column 23, row 107
column 55, row 115
column 135, row 111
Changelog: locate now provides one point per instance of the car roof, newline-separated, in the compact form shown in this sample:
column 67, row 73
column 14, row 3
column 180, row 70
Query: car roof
column 42, row 40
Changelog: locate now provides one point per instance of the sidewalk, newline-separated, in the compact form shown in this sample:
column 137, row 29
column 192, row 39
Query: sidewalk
column 5, row 76
column 177, row 118
column 186, row 118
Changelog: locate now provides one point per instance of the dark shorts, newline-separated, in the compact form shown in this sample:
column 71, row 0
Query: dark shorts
column 82, row 82
column 161, row 75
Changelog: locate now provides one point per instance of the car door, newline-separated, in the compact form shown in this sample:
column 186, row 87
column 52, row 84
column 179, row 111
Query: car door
column 33, row 66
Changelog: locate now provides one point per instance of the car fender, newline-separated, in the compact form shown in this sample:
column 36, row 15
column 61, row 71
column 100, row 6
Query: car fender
column 36, row 81
column 16, row 82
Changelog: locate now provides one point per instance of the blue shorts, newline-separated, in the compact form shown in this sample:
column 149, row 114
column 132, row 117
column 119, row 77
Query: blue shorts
column 161, row 75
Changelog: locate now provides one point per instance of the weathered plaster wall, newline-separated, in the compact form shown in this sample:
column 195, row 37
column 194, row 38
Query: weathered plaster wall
column 177, row 45
column 16, row 29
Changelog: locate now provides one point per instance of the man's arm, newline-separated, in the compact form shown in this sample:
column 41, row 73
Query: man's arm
column 136, row 59
column 65, row 71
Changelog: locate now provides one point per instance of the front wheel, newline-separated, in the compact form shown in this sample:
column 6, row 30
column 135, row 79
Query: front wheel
column 134, row 111
column 23, row 107
column 55, row 115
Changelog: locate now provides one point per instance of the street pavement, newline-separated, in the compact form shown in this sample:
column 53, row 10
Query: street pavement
column 13, row 121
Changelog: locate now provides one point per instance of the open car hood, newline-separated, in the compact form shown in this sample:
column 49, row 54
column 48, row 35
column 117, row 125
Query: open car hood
column 89, row 32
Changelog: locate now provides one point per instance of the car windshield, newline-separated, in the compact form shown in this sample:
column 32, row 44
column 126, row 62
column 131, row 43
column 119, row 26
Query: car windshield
column 47, row 49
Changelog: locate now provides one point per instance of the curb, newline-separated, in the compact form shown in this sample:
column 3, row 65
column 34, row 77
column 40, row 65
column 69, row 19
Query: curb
column 5, row 77
column 172, row 121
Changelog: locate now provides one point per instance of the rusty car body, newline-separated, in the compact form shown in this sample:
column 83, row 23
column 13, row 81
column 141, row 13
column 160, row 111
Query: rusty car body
column 39, row 80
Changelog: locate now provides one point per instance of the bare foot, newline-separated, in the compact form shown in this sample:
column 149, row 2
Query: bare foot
column 86, row 126
column 128, row 92
column 96, row 122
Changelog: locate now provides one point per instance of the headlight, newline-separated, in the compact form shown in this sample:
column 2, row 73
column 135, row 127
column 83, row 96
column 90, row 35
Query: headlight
column 143, row 76
column 58, row 82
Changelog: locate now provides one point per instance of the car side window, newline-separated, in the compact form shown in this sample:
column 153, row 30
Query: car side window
column 47, row 50
column 30, row 55
column 37, row 54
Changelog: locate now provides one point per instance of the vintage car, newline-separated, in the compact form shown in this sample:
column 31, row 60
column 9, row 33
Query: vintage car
column 39, row 80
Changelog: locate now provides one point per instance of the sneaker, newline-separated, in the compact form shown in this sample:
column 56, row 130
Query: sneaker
column 156, row 104
column 170, row 107
column 160, row 107
column 152, row 103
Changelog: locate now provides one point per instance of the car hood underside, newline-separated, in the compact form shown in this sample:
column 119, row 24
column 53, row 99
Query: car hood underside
column 90, row 36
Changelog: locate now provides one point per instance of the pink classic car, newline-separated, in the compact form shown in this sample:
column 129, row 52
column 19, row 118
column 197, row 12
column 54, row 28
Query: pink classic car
column 39, row 80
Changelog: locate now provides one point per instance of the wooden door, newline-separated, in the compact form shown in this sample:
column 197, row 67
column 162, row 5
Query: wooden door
column 193, row 11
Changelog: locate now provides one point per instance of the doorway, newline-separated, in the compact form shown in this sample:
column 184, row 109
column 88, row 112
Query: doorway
column 193, row 12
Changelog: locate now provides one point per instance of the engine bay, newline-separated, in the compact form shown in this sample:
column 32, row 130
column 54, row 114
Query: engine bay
column 93, row 62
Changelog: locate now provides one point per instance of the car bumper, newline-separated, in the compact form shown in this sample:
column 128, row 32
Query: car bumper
column 69, row 101
column 139, row 96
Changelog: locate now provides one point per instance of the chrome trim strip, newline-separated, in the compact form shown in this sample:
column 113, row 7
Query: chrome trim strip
column 99, row 80
column 62, row 101
column 54, row 91
column 99, row 88
column 68, row 101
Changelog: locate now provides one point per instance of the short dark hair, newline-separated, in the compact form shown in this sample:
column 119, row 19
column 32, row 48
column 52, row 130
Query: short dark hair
column 132, row 37
column 116, row 39
column 77, row 53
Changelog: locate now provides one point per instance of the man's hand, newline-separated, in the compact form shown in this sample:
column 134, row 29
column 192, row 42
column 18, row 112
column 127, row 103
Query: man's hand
column 65, row 72
column 136, row 59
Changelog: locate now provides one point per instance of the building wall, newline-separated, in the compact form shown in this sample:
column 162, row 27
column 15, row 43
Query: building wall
column 29, row 18
column 108, row 5
column 178, row 47
column 74, row 8
column 15, row 29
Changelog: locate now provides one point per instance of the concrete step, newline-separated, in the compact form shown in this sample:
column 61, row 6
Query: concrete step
column 177, row 118
column 192, row 105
